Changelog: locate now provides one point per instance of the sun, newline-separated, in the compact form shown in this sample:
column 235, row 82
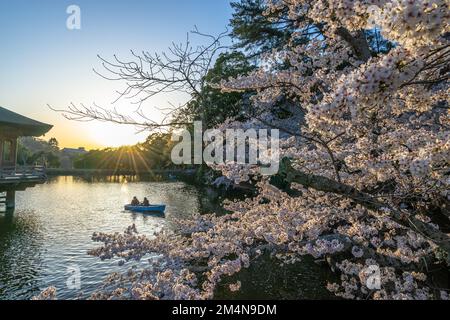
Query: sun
column 113, row 135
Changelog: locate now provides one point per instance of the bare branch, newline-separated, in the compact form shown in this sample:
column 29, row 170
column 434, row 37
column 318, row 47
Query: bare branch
column 182, row 69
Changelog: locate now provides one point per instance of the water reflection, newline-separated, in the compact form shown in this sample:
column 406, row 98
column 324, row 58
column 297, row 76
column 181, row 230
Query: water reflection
column 21, row 242
column 92, row 178
column 267, row 279
column 53, row 223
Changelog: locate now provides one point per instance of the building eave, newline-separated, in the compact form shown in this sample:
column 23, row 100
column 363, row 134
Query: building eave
column 21, row 125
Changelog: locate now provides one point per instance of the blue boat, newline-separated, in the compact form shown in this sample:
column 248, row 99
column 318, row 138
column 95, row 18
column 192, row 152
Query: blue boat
column 158, row 208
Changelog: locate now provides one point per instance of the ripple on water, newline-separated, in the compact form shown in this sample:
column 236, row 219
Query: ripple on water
column 53, row 223
column 52, row 227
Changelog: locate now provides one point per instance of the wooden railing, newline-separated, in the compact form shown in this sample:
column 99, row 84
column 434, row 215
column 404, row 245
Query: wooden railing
column 22, row 173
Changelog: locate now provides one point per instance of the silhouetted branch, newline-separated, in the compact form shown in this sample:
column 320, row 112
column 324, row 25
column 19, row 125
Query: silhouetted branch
column 182, row 69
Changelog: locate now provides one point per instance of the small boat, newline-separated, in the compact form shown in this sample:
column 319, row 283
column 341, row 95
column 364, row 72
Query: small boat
column 159, row 208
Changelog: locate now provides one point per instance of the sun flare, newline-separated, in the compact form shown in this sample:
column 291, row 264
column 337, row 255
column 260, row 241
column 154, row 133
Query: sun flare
column 108, row 135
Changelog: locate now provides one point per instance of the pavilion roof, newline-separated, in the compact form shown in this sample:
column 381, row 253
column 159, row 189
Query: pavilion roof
column 23, row 125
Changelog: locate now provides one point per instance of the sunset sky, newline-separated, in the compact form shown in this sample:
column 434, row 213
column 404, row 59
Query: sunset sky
column 42, row 62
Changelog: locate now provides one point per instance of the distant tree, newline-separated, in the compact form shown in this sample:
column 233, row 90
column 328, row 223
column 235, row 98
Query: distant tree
column 153, row 154
column 54, row 144
column 33, row 151
column 53, row 160
column 23, row 154
column 48, row 159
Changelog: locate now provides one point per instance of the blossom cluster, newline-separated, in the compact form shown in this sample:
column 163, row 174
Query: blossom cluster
column 377, row 126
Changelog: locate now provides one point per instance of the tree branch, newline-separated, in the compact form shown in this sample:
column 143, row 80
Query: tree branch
column 358, row 42
column 328, row 185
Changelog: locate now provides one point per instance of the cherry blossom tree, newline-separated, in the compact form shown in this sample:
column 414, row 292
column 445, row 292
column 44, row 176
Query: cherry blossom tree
column 369, row 164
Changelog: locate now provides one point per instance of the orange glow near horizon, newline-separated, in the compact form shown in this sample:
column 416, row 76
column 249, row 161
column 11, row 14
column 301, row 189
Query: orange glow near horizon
column 94, row 135
column 90, row 135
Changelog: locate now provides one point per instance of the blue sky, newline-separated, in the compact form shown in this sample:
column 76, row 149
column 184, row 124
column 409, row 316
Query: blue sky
column 42, row 62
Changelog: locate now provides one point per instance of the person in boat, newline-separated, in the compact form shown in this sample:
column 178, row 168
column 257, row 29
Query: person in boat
column 135, row 201
column 146, row 203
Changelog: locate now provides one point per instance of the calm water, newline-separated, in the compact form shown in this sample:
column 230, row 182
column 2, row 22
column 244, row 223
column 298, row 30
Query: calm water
column 52, row 226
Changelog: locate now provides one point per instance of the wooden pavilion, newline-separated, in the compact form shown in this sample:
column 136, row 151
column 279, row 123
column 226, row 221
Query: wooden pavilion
column 12, row 177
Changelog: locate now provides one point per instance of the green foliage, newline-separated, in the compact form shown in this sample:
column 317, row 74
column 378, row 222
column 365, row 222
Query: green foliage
column 256, row 32
column 52, row 160
column 53, row 143
column 23, row 154
column 214, row 106
column 40, row 153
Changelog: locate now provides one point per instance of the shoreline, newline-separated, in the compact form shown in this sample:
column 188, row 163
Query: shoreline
column 111, row 172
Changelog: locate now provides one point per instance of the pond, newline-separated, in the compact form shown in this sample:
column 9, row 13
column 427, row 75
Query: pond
column 50, row 232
